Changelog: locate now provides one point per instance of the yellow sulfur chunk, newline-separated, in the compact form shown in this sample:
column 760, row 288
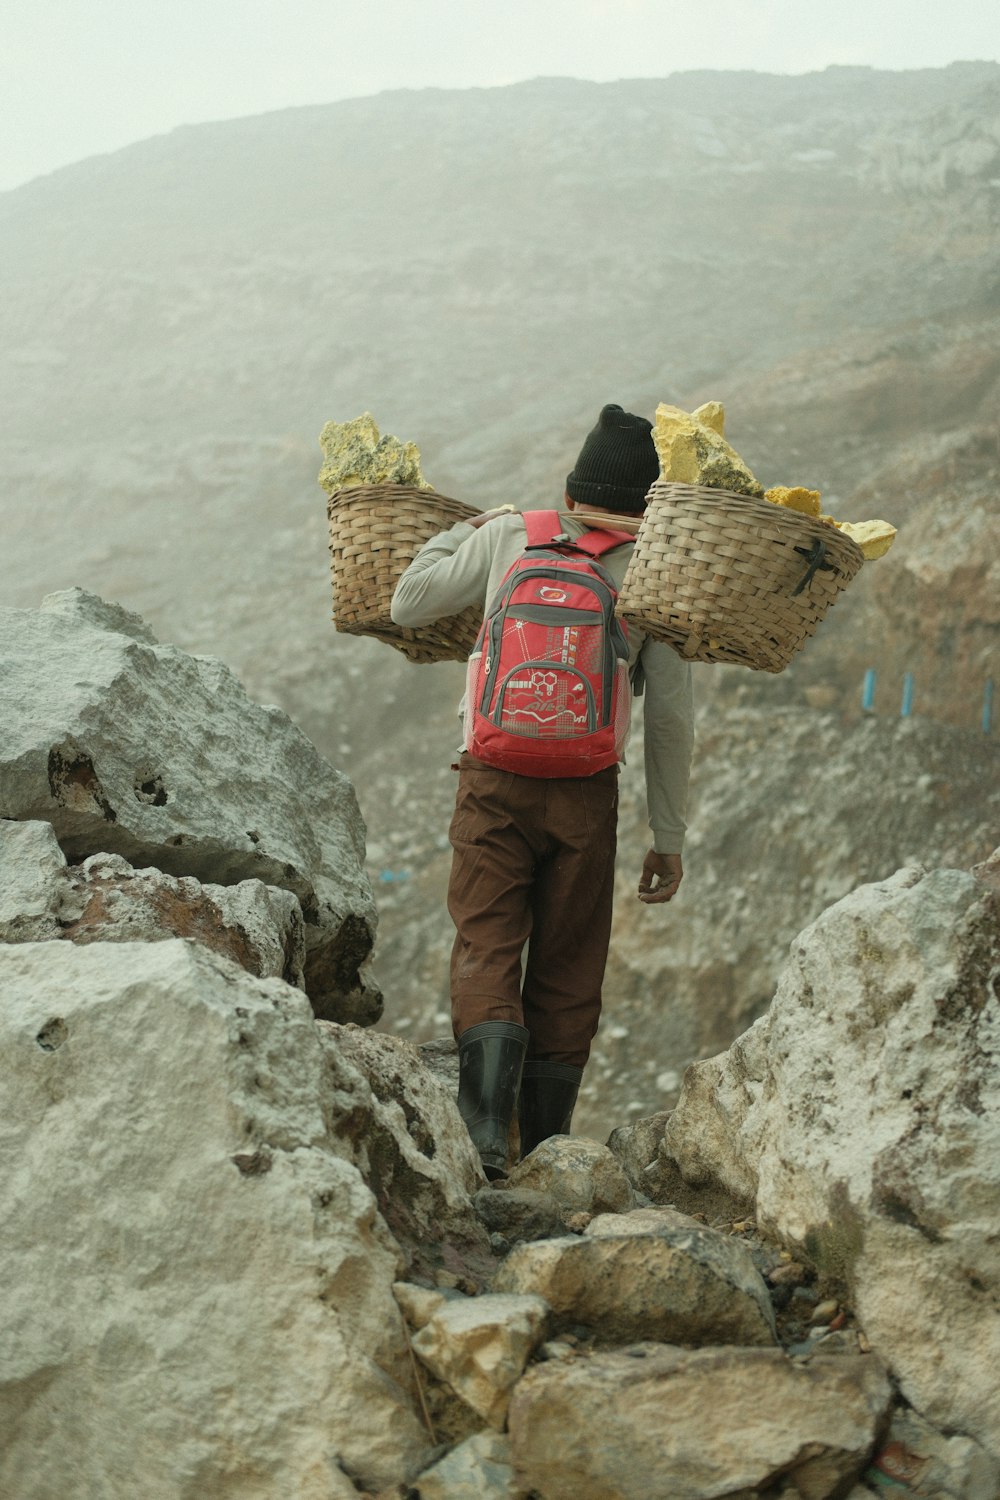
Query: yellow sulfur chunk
column 354, row 453
column 693, row 451
column 805, row 501
column 711, row 414
column 873, row 537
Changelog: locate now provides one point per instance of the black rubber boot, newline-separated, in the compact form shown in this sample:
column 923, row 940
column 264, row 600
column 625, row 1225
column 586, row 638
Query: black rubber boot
column 547, row 1100
column 490, row 1057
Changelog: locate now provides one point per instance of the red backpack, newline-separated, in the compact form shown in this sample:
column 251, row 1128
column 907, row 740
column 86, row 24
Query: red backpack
column 548, row 690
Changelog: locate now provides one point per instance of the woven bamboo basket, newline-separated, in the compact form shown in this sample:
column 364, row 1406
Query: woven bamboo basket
column 376, row 531
column 724, row 578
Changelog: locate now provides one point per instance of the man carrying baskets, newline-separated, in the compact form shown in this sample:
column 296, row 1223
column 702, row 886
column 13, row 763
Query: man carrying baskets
column 534, row 829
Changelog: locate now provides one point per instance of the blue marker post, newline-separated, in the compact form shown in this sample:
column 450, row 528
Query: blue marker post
column 988, row 706
column 906, row 708
column 868, row 692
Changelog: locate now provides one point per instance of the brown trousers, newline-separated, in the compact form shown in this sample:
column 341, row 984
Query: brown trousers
column 533, row 865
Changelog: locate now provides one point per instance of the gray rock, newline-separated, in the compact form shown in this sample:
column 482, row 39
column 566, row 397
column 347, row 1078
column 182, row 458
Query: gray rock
column 581, row 1175
column 132, row 748
column 81, row 607
column 105, row 900
column 645, row 1221
column 636, row 1145
column 685, row 1286
column 400, row 1126
column 694, row 1424
column 480, row 1345
column 32, row 869
column 863, row 1116
column 195, row 1284
column 478, row 1469
column 519, row 1213
column 441, row 1056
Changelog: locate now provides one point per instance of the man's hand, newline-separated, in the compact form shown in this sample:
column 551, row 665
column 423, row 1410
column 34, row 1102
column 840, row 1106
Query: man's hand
column 489, row 515
column 661, row 875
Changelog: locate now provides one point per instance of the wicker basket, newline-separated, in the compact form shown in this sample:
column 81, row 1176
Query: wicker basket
column 375, row 532
column 725, row 578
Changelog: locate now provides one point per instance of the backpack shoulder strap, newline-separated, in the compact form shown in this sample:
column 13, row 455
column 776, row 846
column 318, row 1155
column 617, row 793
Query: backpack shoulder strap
column 597, row 542
column 541, row 526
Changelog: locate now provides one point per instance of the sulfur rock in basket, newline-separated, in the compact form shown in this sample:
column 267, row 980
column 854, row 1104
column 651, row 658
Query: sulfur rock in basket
column 381, row 510
column 797, row 498
column 692, row 449
column 873, row 537
column 354, row 453
column 724, row 577
column 718, row 571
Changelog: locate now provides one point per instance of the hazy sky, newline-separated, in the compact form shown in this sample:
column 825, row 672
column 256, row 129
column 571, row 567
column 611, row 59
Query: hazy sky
column 79, row 77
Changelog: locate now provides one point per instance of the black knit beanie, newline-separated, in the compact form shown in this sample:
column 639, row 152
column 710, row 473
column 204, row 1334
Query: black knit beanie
column 617, row 463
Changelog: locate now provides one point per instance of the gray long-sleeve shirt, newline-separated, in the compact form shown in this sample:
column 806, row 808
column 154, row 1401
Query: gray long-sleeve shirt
column 465, row 565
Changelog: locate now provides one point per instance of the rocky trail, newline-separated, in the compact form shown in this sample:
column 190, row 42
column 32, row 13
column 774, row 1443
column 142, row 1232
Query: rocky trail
column 247, row 1246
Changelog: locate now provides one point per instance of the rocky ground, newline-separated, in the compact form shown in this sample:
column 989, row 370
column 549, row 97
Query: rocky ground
column 269, row 1263
column 250, row 1252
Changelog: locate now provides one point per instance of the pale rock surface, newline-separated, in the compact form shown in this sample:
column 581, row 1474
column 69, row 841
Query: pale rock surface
column 259, row 927
column 862, row 1114
column 644, row 1221
column 196, row 1288
column 581, row 1175
column 480, row 1346
column 133, row 748
column 399, row 1124
column 636, row 1144
column 32, row 867
column 418, row 1304
column 675, row 1285
column 90, row 611
column 694, row 1424
column 481, row 1468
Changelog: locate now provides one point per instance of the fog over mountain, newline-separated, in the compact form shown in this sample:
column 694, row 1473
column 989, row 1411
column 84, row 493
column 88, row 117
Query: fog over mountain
column 482, row 270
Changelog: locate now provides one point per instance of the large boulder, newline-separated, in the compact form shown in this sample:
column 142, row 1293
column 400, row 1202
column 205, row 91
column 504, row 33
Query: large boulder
column 677, row 1285
column 694, row 1424
column 862, row 1115
column 133, row 748
column 399, row 1125
column 196, row 1289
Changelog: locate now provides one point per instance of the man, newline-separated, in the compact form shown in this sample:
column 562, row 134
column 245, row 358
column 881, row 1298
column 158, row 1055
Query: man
column 533, row 858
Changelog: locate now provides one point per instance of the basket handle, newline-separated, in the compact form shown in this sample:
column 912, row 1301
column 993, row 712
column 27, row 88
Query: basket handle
column 816, row 562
